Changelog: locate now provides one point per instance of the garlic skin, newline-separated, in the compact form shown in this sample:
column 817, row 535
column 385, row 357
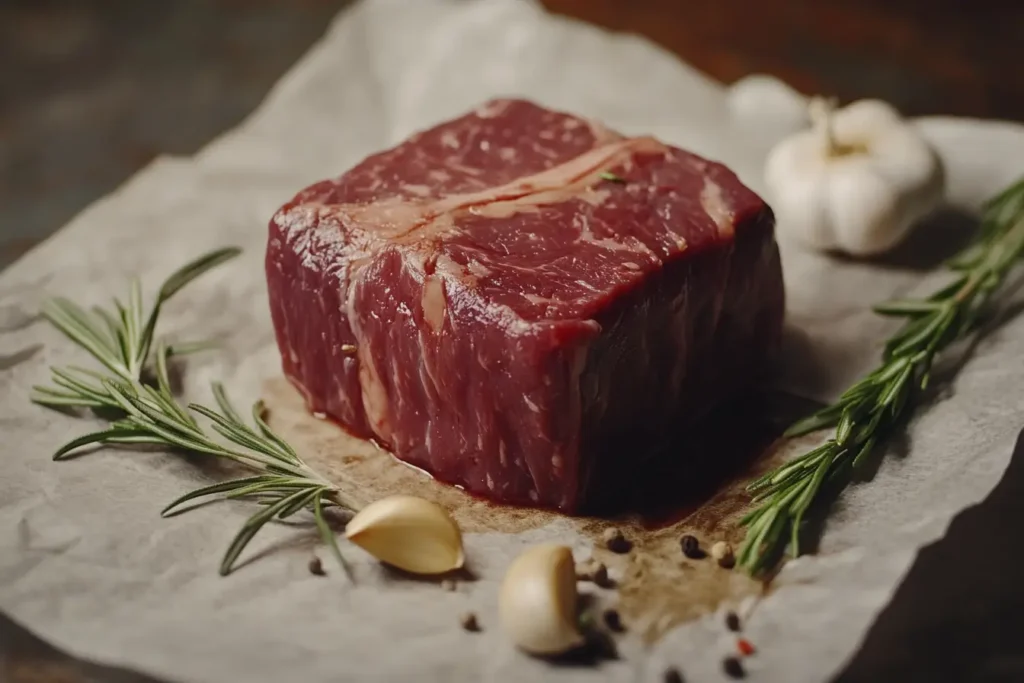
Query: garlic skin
column 537, row 602
column 409, row 533
column 856, row 182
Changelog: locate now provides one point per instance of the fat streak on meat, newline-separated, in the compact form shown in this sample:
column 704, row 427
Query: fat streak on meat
column 493, row 304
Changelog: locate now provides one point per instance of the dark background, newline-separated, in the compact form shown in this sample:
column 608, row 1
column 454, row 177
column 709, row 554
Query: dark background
column 91, row 90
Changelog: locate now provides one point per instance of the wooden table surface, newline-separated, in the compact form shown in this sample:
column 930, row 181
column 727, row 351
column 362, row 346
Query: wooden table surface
column 91, row 90
column 924, row 56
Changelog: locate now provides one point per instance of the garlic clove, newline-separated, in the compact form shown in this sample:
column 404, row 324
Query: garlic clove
column 409, row 533
column 865, row 118
column 537, row 603
column 866, row 214
column 766, row 105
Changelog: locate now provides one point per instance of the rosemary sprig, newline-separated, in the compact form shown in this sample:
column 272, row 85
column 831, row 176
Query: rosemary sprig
column 136, row 389
column 879, row 401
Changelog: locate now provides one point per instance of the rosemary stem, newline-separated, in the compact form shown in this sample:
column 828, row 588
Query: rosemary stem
column 121, row 340
column 875, row 405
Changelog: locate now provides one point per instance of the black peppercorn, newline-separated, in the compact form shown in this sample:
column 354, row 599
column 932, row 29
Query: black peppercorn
column 616, row 542
column 672, row 675
column 601, row 578
column 316, row 567
column 733, row 667
column 613, row 620
column 469, row 622
column 732, row 622
column 691, row 547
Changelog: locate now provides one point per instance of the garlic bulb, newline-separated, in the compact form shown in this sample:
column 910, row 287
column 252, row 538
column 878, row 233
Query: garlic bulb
column 537, row 601
column 856, row 182
column 767, row 106
column 409, row 533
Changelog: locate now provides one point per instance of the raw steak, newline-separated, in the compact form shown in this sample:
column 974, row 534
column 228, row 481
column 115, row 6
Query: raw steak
column 520, row 301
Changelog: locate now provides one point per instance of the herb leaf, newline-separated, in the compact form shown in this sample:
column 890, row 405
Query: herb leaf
column 137, row 390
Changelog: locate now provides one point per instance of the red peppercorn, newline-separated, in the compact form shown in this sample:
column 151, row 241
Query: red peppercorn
column 745, row 648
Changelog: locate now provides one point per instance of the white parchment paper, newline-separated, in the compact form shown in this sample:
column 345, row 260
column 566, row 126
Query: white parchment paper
column 86, row 560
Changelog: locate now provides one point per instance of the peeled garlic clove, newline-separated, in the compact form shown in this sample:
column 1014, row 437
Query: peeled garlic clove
column 409, row 533
column 537, row 602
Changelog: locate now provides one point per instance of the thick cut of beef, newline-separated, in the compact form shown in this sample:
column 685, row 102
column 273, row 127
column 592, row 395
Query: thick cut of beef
column 520, row 299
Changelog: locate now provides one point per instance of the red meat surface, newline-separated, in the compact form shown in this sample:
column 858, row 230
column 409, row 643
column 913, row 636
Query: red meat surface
column 520, row 300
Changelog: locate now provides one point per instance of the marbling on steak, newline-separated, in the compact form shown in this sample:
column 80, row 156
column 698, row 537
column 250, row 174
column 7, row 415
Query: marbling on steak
column 481, row 301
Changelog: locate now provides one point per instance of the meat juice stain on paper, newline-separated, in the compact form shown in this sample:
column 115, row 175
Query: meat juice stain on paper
column 701, row 494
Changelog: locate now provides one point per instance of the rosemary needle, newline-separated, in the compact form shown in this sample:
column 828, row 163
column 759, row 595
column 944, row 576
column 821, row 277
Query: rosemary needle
column 136, row 388
column 879, row 401
column 611, row 177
